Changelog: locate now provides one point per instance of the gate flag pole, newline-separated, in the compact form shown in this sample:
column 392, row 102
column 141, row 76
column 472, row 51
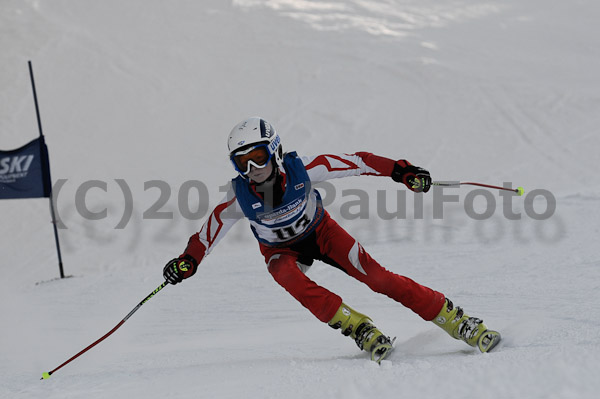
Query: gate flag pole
column 46, row 165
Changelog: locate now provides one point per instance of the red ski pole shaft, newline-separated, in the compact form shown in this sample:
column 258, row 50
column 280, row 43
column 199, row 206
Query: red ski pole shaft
column 115, row 328
column 518, row 190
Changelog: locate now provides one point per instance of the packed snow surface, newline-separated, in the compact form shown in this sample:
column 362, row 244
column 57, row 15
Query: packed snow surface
column 138, row 97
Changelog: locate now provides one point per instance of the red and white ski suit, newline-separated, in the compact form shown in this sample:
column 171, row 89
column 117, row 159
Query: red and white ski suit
column 329, row 243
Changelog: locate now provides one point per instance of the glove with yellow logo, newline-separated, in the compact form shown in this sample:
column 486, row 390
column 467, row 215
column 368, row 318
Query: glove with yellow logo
column 180, row 268
column 415, row 178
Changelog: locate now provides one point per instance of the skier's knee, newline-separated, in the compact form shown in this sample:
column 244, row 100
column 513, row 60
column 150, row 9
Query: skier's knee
column 282, row 269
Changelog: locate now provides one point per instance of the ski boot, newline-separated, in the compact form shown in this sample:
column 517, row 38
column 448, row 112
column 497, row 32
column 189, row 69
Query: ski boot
column 360, row 328
column 468, row 329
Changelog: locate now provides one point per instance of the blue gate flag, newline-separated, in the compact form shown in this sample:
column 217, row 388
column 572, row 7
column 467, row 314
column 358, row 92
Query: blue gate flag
column 25, row 172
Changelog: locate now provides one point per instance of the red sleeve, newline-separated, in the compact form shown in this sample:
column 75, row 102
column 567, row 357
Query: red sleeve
column 195, row 248
column 213, row 229
column 380, row 164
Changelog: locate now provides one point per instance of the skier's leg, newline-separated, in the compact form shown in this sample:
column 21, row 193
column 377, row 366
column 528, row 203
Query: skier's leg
column 325, row 305
column 346, row 252
column 318, row 300
column 431, row 305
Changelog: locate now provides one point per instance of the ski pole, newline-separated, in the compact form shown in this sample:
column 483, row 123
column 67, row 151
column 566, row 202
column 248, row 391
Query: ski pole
column 49, row 373
column 518, row 190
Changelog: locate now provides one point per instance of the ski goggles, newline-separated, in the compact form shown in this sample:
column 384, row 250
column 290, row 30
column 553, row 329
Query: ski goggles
column 257, row 156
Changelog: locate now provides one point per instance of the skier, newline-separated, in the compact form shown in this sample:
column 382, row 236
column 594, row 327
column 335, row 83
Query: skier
column 274, row 191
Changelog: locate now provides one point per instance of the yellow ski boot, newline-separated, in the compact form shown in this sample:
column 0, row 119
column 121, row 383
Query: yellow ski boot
column 468, row 329
column 360, row 328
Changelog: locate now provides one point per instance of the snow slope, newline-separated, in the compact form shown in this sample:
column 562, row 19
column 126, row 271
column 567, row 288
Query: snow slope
column 490, row 91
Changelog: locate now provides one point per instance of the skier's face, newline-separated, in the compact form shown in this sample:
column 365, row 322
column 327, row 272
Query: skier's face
column 260, row 175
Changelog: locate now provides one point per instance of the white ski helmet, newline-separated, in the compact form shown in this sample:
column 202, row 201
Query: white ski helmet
column 251, row 134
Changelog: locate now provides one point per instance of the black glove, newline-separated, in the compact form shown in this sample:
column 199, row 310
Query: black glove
column 415, row 178
column 180, row 268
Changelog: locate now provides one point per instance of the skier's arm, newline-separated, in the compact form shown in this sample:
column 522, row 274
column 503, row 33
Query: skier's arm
column 220, row 221
column 329, row 166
